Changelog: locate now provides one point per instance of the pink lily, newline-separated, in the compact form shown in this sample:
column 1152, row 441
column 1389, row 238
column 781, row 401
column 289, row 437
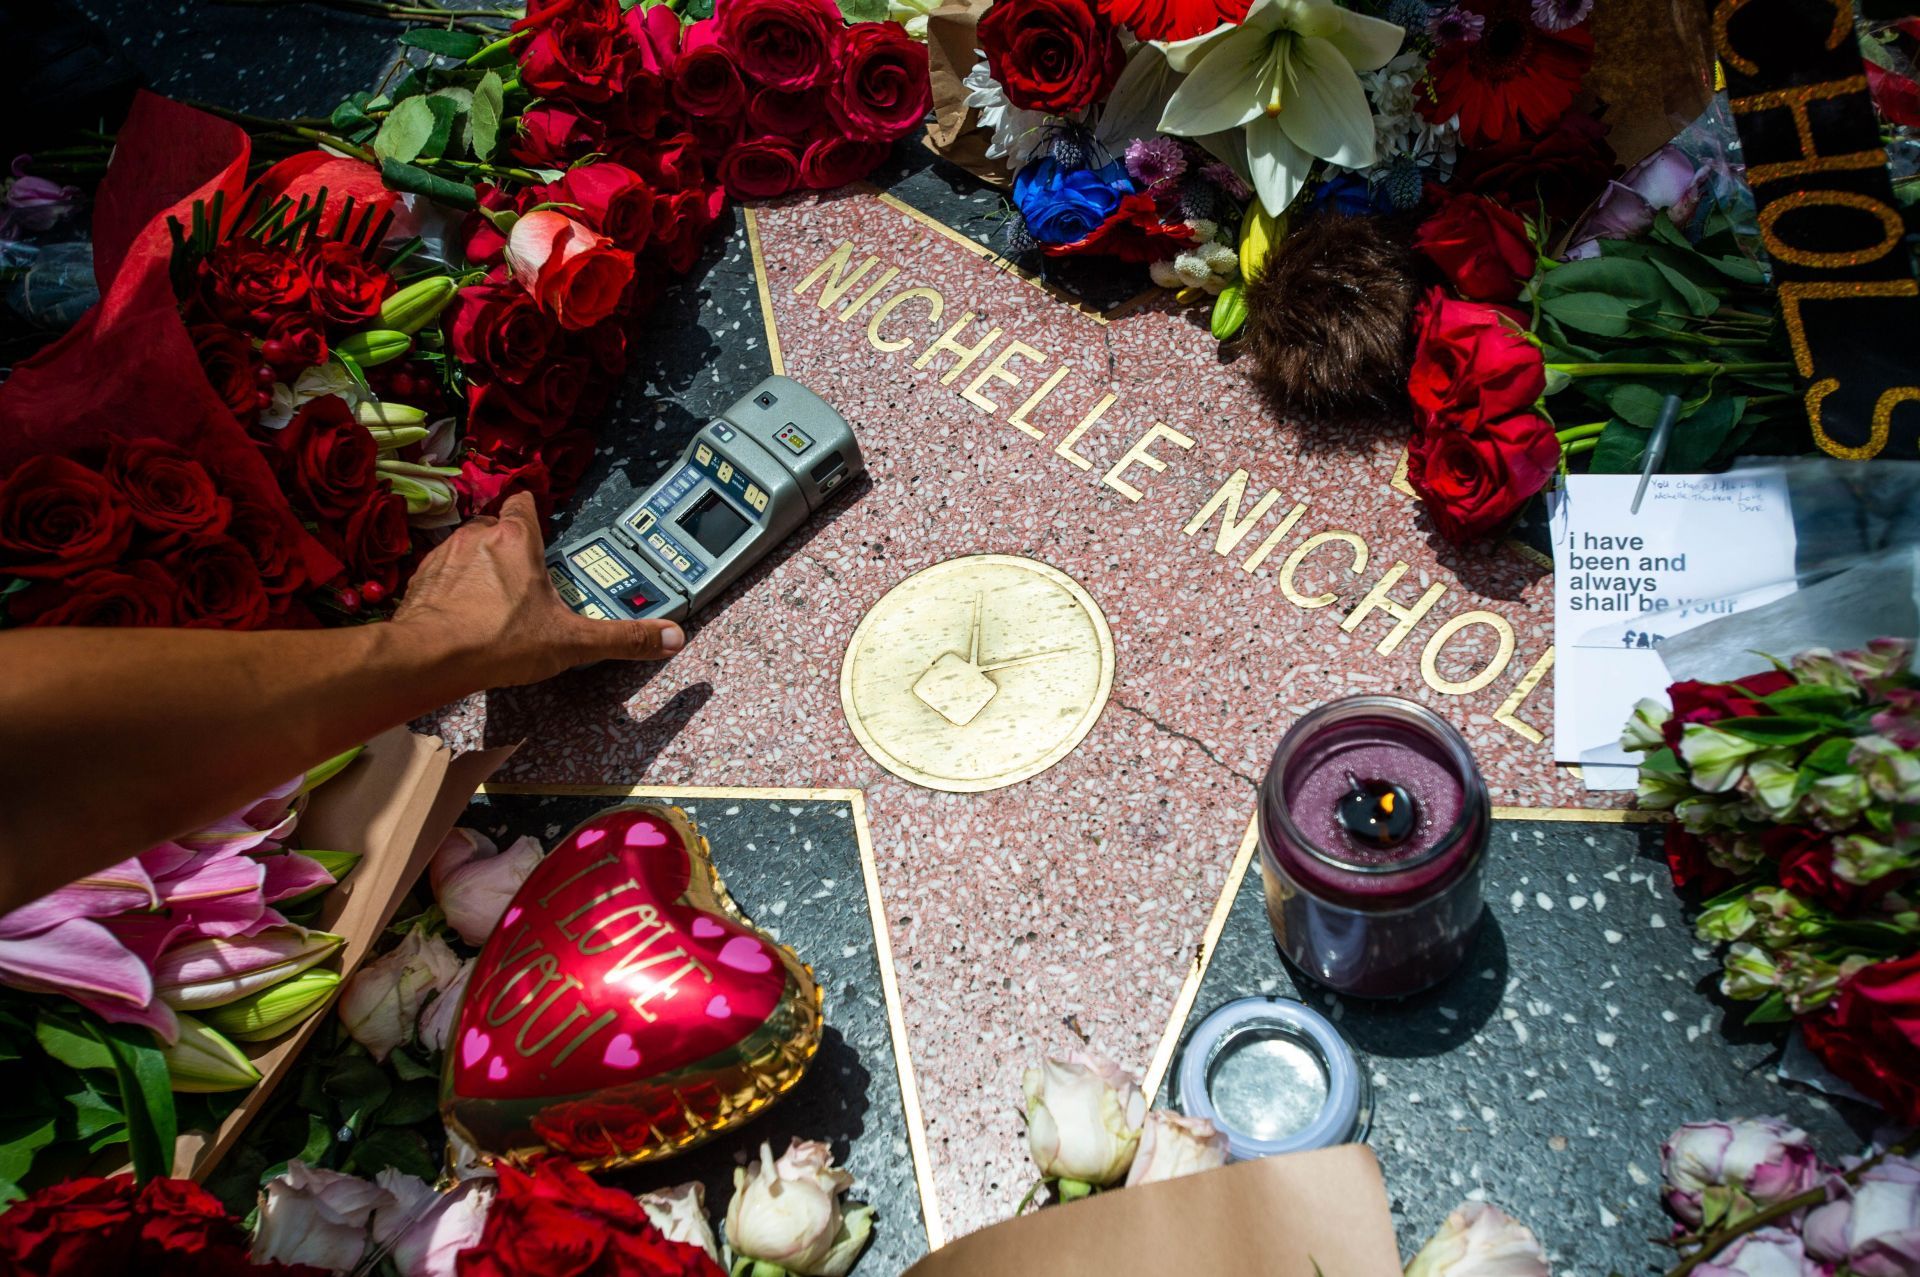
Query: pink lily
column 213, row 971
column 79, row 959
column 290, row 874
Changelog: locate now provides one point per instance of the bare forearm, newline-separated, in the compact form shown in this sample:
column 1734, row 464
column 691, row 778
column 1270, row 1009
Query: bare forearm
column 114, row 740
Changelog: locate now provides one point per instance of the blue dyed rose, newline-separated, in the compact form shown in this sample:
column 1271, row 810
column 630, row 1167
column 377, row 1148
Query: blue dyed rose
column 1350, row 195
column 1063, row 205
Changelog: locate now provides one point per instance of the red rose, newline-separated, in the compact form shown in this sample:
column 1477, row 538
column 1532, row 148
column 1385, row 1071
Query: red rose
column 180, row 1217
column 139, row 593
column 576, row 276
column 1471, row 359
column 232, row 369
column 1561, row 172
column 267, row 536
column 567, row 456
column 789, row 114
column 1479, row 246
column 684, row 223
column 294, row 341
column 1696, row 702
column 71, row 1228
column 219, row 585
column 499, row 328
column 328, row 457
column 880, row 85
column 668, row 164
column 704, row 80
column 498, row 427
column 1693, row 872
column 347, row 288
column 377, row 538
column 1473, row 474
column 554, row 135
column 781, row 44
column 760, row 170
column 833, row 160
column 480, row 240
column 556, row 1222
column 244, row 283
column 609, row 198
column 1055, row 56
column 548, row 397
column 1870, row 1035
column 572, row 56
column 483, row 483
column 652, row 36
column 606, row 345
column 169, row 494
column 1804, row 858
column 57, row 517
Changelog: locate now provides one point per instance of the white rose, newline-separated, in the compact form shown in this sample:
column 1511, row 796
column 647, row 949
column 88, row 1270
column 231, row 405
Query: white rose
column 680, row 1213
column 381, row 1004
column 788, row 1213
column 1172, row 1145
column 311, row 1216
column 423, row 1229
column 1479, row 1240
column 1083, row 1119
column 436, row 1022
column 475, row 882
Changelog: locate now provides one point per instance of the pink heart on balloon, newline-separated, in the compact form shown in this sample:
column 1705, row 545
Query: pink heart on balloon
column 717, row 1007
column 473, row 1046
column 620, row 1053
column 588, row 837
column 497, row 1070
column 643, row 833
column 512, row 915
column 706, row 928
column 744, row 953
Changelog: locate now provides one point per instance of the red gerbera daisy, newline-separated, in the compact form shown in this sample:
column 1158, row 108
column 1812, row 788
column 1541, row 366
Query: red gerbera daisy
column 1515, row 78
column 1174, row 19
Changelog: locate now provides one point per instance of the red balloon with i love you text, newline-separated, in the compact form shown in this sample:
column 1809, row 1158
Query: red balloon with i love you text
column 623, row 1010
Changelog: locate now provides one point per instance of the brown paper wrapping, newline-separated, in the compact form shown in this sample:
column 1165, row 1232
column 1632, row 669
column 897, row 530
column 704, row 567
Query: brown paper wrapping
column 954, row 135
column 1292, row 1216
column 393, row 805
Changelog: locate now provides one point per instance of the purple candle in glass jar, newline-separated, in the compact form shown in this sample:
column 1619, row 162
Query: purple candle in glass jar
column 1373, row 823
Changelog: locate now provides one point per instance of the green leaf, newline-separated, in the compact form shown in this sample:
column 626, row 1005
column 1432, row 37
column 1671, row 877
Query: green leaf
column 1780, row 730
column 392, row 1146
column 452, row 44
column 1636, row 404
column 319, row 1140
column 1774, row 1010
column 863, row 10
column 1624, row 278
column 1619, row 451
column 1701, row 436
column 1830, row 757
column 146, row 1096
column 410, row 1102
column 406, row 132
column 1698, row 300
column 72, row 1045
column 91, row 1111
column 1601, row 314
column 408, row 1069
column 449, row 107
column 21, row 1136
column 1810, row 699
column 417, row 181
column 483, row 123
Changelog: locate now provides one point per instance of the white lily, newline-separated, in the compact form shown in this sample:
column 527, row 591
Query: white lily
column 1288, row 76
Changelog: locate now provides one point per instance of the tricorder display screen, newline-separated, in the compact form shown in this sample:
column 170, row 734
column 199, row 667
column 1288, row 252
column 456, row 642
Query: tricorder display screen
column 713, row 523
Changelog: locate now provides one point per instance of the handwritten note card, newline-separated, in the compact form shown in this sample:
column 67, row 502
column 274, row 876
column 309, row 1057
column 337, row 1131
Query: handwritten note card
column 1701, row 546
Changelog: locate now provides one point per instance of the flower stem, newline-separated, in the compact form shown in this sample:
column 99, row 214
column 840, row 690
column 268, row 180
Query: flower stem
column 1587, row 431
column 1667, row 370
column 1579, row 446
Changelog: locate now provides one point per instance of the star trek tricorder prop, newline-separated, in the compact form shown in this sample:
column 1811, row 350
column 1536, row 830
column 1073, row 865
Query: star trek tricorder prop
column 748, row 479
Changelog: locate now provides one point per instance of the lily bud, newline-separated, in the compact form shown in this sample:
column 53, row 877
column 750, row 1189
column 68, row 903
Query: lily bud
column 428, row 496
column 320, row 775
column 393, row 438
column 418, row 304
column 371, row 412
column 1083, row 1119
column 202, row 1061
column 789, row 1213
column 211, row 972
column 375, row 347
column 338, row 865
column 1479, row 1240
column 271, row 1012
column 1172, row 1145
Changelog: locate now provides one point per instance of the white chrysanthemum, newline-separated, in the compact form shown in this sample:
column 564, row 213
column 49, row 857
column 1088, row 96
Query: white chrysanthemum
column 1165, row 275
column 1220, row 259
column 1203, row 228
column 1017, row 132
column 1192, row 269
column 1398, row 127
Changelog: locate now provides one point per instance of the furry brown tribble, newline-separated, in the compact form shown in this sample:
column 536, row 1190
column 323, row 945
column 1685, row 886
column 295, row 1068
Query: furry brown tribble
column 1330, row 320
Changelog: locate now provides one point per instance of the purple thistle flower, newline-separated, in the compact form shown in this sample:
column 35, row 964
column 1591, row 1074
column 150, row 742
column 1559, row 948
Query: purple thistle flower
column 1226, row 179
column 1155, row 161
column 1457, row 25
column 1558, row 15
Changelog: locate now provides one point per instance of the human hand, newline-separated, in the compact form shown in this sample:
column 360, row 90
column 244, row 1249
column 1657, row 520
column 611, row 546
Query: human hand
column 484, row 593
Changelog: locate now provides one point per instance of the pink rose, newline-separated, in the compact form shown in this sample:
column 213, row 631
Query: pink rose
column 576, row 276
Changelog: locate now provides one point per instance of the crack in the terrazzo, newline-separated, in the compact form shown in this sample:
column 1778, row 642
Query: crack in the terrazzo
column 1194, row 741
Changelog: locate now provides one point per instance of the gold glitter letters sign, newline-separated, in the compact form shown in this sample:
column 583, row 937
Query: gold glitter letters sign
column 1827, row 218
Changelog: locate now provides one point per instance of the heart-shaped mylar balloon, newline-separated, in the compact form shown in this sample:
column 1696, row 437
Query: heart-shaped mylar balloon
column 623, row 1010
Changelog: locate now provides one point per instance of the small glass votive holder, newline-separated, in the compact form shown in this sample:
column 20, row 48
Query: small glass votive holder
column 1274, row 1076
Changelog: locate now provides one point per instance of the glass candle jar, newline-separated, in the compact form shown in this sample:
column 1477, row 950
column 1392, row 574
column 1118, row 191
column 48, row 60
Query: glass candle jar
column 1274, row 1076
column 1373, row 825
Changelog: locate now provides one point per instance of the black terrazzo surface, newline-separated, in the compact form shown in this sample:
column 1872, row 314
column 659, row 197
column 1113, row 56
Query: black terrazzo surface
column 794, row 869
column 1543, row 1076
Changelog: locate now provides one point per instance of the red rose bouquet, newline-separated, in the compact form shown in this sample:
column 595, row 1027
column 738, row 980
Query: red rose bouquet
column 1796, row 797
column 167, row 1228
